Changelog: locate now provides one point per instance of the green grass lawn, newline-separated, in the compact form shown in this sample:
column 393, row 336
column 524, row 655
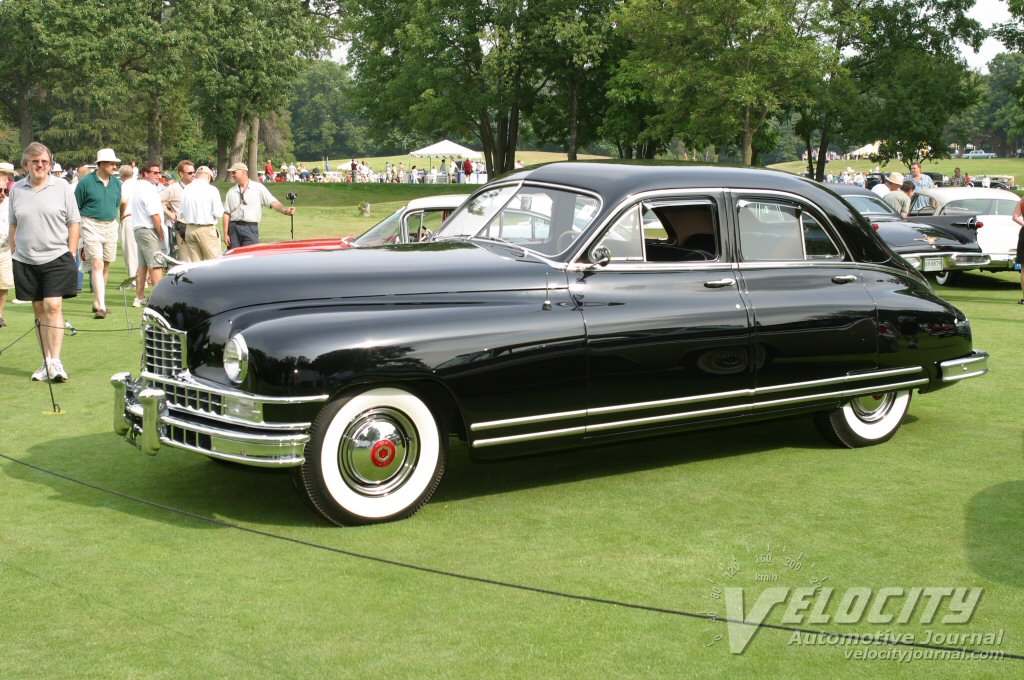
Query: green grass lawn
column 96, row 583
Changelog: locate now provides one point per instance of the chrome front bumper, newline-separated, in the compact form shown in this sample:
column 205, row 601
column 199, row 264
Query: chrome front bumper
column 150, row 417
column 971, row 366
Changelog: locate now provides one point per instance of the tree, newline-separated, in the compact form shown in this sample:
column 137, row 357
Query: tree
column 723, row 70
column 446, row 68
column 571, row 45
column 323, row 120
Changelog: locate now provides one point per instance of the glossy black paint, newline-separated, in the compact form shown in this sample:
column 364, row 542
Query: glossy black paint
column 492, row 334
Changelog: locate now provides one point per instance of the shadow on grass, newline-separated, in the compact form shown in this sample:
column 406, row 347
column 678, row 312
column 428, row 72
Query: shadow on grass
column 466, row 478
column 992, row 533
column 256, row 496
column 181, row 480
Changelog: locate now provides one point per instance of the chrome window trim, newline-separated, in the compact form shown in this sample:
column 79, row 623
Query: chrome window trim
column 575, row 265
column 753, row 392
column 827, row 226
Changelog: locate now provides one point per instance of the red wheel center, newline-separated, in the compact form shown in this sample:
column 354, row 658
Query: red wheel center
column 382, row 453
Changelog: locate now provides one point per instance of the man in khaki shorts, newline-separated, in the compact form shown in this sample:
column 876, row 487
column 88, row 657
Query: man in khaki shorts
column 99, row 201
column 201, row 208
column 6, row 271
column 147, row 221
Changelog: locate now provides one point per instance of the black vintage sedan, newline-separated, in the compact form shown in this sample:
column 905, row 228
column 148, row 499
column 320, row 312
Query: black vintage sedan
column 567, row 306
column 927, row 248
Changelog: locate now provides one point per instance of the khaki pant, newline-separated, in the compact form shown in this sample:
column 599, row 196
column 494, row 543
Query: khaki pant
column 128, row 247
column 202, row 242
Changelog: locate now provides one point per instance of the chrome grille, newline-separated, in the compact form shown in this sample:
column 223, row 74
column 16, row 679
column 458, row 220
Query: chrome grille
column 191, row 398
column 163, row 352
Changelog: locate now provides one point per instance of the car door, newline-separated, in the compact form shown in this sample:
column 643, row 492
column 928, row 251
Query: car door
column 814, row 322
column 668, row 340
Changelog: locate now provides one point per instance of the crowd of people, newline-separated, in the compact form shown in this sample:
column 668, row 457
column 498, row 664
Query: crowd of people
column 450, row 171
column 56, row 226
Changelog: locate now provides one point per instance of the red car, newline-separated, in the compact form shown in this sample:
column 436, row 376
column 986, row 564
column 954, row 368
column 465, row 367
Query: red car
column 415, row 221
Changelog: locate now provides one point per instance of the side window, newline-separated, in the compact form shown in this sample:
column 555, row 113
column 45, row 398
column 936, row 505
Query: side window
column 625, row 238
column 782, row 231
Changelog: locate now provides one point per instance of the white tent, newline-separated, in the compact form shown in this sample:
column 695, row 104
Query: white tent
column 865, row 150
column 446, row 149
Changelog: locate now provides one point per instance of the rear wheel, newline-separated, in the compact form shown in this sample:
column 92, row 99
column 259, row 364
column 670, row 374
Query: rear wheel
column 947, row 278
column 372, row 457
column 865, row 420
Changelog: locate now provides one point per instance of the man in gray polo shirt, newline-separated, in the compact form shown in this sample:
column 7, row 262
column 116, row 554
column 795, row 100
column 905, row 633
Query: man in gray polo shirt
column 44, row 230
column 243, row 208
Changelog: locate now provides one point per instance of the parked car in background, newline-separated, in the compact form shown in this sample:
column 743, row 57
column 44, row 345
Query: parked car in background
column 978, row 153
column 929, row 249
column 572, row 305
column 415, row 221
column 984, row 215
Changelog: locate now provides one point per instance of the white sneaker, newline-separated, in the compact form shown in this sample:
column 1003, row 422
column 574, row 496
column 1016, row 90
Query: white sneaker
column 40, row 373
column 139, row 303
column 57, row 372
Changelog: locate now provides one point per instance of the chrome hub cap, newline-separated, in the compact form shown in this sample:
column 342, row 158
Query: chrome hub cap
column 378, row 452
column 871, row 408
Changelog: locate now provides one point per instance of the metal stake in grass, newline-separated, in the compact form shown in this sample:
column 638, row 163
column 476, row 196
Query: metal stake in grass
column 292, row 196
column 46, row 367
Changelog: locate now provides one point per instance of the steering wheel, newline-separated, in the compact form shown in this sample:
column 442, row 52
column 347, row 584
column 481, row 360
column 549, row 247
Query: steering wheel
column 564, row 241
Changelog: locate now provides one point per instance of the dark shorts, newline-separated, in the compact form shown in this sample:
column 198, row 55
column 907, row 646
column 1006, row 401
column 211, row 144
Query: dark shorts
column 56, row 278
column 243, row 234
column 1020, row 247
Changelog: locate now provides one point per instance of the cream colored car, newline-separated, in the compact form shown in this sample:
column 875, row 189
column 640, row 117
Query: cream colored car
column 987, row 214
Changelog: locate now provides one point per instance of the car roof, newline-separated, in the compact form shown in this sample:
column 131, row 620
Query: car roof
column 947, row 194
column 852, row 190
column 440, row 201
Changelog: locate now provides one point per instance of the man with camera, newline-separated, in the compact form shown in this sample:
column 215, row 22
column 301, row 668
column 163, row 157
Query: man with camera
column 243, row 208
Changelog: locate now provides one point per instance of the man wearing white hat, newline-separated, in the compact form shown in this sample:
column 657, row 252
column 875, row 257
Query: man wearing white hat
column 6, row 273
column 892, row 182
column 99, row 202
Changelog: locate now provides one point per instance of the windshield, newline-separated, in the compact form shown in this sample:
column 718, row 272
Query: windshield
column 981, row 206
column 475, row 213
column 543, row 219
column 870, row 205
column 388, row 230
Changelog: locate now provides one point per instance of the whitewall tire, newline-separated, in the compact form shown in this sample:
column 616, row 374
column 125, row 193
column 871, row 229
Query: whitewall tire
column 373, row 456
column 865, row 420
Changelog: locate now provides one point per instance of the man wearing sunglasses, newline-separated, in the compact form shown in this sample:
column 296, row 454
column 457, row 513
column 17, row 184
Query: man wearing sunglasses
column 99, row 201
column 43, row 235
column 6, row 272
column 171, row 197
column 147, row 221
column 243, row 208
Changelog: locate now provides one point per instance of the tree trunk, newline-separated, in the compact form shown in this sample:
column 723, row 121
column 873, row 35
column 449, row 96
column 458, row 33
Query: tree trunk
column 25, row 131
column 574, row 109
column 819, row 172
column 155, row 130
column 238, row 143
column 254, row 145
column 222, row 159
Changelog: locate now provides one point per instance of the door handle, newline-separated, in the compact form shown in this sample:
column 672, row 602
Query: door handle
column 847, row 278
column 720, row 283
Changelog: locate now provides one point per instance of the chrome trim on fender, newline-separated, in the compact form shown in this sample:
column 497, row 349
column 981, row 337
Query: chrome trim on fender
column 187, row 381
column 480, row 443
column 966, row 367
column 491, row 424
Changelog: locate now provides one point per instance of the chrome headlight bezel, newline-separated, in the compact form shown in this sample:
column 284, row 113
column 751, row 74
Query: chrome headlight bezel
column 236, row 358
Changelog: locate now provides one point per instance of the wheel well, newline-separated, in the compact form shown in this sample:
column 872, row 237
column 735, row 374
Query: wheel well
column 437, row 397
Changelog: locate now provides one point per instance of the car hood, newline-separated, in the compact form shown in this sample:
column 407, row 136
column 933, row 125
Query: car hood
column 194, row 292
column 917, row 237
column 287, row 246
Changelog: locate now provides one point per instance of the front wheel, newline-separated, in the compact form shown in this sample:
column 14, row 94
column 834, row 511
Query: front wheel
column 372, row 457
column 865, row 420
column 947, row 278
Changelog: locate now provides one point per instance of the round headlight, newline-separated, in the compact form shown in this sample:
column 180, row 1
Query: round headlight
column 236, row 358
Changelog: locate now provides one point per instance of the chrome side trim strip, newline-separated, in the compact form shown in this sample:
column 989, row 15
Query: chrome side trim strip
column 284, row 440
column 491, row 424
column 228, row 392
column 288, row 460
column 636, row 406
column 668, row 417
column 480, row 443
column 842, row 394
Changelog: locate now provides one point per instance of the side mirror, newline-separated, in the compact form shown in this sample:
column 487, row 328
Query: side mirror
column 600, row 256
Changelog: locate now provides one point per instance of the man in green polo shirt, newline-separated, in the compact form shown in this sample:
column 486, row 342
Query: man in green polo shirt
column 99, row 201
